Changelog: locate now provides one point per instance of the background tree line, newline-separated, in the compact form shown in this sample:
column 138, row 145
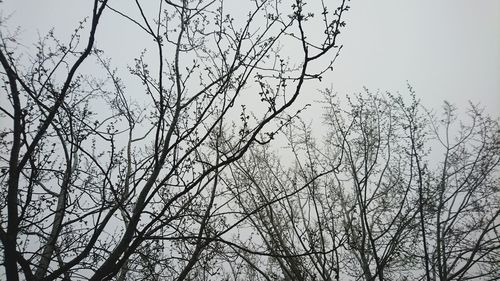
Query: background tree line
column 180, row 180
column 392, row 192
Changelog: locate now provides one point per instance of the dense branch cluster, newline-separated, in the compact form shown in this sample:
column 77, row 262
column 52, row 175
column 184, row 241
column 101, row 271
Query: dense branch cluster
column 394, row 192
column 168, row 170
column 103, row 180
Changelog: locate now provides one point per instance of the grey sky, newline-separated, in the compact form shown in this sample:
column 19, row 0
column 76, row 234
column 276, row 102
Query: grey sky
column 445, row 49
column 448, row 50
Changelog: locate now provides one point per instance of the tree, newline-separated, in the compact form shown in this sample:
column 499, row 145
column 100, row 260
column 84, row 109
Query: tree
column 98, row 184
column 461, row 207
column 393, row 193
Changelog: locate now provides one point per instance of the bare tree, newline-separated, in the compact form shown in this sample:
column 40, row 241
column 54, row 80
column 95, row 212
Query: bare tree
column 462, row 204
column 295, row 230
column 132, row 190
column 393, row 193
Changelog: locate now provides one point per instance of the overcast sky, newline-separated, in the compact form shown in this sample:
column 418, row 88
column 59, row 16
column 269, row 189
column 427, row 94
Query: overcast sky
column 447, row 50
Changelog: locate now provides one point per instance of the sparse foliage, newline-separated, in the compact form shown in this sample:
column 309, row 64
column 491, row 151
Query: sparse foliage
column 102, row 180
column 166, row 170
column 393, row 193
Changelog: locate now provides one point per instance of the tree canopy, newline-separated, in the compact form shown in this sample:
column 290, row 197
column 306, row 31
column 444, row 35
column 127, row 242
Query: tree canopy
column 193, row 162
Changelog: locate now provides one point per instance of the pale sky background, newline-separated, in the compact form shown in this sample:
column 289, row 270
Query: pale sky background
column 447, row 50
